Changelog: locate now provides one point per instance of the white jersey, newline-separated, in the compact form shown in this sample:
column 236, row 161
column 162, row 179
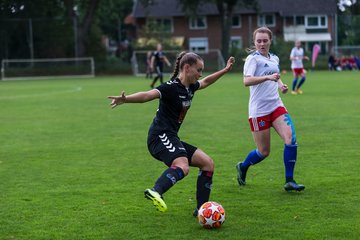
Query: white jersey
column 264, row 97
column 298, row 53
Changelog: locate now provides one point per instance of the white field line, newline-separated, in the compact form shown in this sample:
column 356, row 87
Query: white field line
column 76, row 89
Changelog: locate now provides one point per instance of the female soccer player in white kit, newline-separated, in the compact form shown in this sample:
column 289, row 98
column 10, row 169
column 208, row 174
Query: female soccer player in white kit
column 297, row 67
column 261, row 75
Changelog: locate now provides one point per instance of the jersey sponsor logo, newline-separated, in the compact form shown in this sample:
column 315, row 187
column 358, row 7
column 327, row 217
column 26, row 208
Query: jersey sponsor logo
column 269, row 73
column 185, row 106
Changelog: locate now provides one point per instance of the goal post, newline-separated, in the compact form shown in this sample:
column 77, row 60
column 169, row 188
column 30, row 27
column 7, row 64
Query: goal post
column 47, row 68
column 213, row 60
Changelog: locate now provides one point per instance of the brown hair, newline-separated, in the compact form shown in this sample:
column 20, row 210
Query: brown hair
column 185, row 58
column 259, row 30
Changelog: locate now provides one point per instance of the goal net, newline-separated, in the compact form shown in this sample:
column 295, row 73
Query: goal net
column 22, row 69
column 346, row 51
column 213, row 61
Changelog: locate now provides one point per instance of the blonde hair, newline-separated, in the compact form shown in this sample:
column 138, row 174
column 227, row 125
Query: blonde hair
column 185, row 58
column 259, row 30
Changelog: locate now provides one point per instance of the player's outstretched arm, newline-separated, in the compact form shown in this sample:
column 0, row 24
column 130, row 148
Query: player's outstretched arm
column 208, row 80
column 139, row 97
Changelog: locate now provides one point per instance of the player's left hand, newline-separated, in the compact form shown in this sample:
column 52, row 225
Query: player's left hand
column 284, row 88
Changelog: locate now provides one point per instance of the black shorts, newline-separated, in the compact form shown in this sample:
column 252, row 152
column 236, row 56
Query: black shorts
column 167, row 148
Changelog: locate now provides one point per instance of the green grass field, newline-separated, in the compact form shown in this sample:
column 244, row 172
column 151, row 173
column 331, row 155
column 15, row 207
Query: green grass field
column 72, row 168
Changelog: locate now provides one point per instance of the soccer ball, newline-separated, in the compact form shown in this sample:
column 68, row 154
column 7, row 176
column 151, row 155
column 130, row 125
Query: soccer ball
column 211, row 215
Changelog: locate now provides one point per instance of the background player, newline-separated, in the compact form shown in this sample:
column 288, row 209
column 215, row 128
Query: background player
column 297, row 67
column 163, row 141
column 157, row 60
column 261, row 74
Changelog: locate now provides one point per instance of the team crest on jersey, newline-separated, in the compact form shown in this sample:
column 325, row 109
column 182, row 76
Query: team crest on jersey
column 261, row 123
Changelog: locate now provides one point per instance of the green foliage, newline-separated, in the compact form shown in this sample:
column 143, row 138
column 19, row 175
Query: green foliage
column 72, row 168
column 349, row 29
column 156, row 31
column 52, row 27
column 113, row 66
column 52, row 34
column 111, row 14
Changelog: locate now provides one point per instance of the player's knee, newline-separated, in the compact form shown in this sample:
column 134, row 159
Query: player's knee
column 290, row 136
column 210, row 165
column 183, row 164
column 265, row 152
column 185, row 170
column 290, row 140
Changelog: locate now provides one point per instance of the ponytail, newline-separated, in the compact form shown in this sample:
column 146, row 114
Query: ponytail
column 177, row 65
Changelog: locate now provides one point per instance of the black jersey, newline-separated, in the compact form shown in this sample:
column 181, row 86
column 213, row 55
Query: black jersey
column 175, row 100
column 159, row 58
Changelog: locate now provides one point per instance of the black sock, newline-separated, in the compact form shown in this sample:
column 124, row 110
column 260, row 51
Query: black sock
column 169, row 177
column 203, row 187
column 154, row 81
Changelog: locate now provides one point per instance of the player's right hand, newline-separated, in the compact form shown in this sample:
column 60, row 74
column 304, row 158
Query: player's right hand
column 275, row 77
column 117, row 100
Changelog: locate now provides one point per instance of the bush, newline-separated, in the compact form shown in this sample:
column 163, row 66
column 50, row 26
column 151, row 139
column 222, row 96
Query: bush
column 113, row 66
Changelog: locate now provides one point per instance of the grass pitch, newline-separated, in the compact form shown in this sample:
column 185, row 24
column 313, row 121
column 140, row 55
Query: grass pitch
column 72, row 168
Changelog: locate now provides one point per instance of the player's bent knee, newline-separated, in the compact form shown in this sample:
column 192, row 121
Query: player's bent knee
column 185, row 170
column 210, row 165
column 181, row 163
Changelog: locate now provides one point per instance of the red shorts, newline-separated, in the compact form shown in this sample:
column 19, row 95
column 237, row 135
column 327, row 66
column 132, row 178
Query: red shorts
column 298, row 71
column 265, row 122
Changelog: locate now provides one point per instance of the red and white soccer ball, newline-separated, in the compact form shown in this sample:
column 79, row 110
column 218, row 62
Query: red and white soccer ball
column 211, row 215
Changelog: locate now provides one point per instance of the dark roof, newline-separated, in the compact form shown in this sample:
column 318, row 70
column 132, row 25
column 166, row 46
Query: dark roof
column 172, row 8
column 169, row 8
column 298, row 7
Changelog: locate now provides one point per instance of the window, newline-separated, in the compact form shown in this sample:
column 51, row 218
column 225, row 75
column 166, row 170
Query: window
column 236, row 21
column 236, row 42
column 198, row 44
column 198, row 23
column 316, row 21
column 300, row 20
column 160, row 24
column 294, row 20
column 166, row 24
column 266, row 20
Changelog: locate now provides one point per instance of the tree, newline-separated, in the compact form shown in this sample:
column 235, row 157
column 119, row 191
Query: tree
column 83, row 12
column 33, row 29
column 111, row 14
column 226, row 10
column 59, row 28
column 349, row 22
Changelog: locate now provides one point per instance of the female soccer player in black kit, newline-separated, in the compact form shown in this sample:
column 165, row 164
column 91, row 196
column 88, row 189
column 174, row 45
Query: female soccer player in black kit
column 157, row 60
column 163, row 141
